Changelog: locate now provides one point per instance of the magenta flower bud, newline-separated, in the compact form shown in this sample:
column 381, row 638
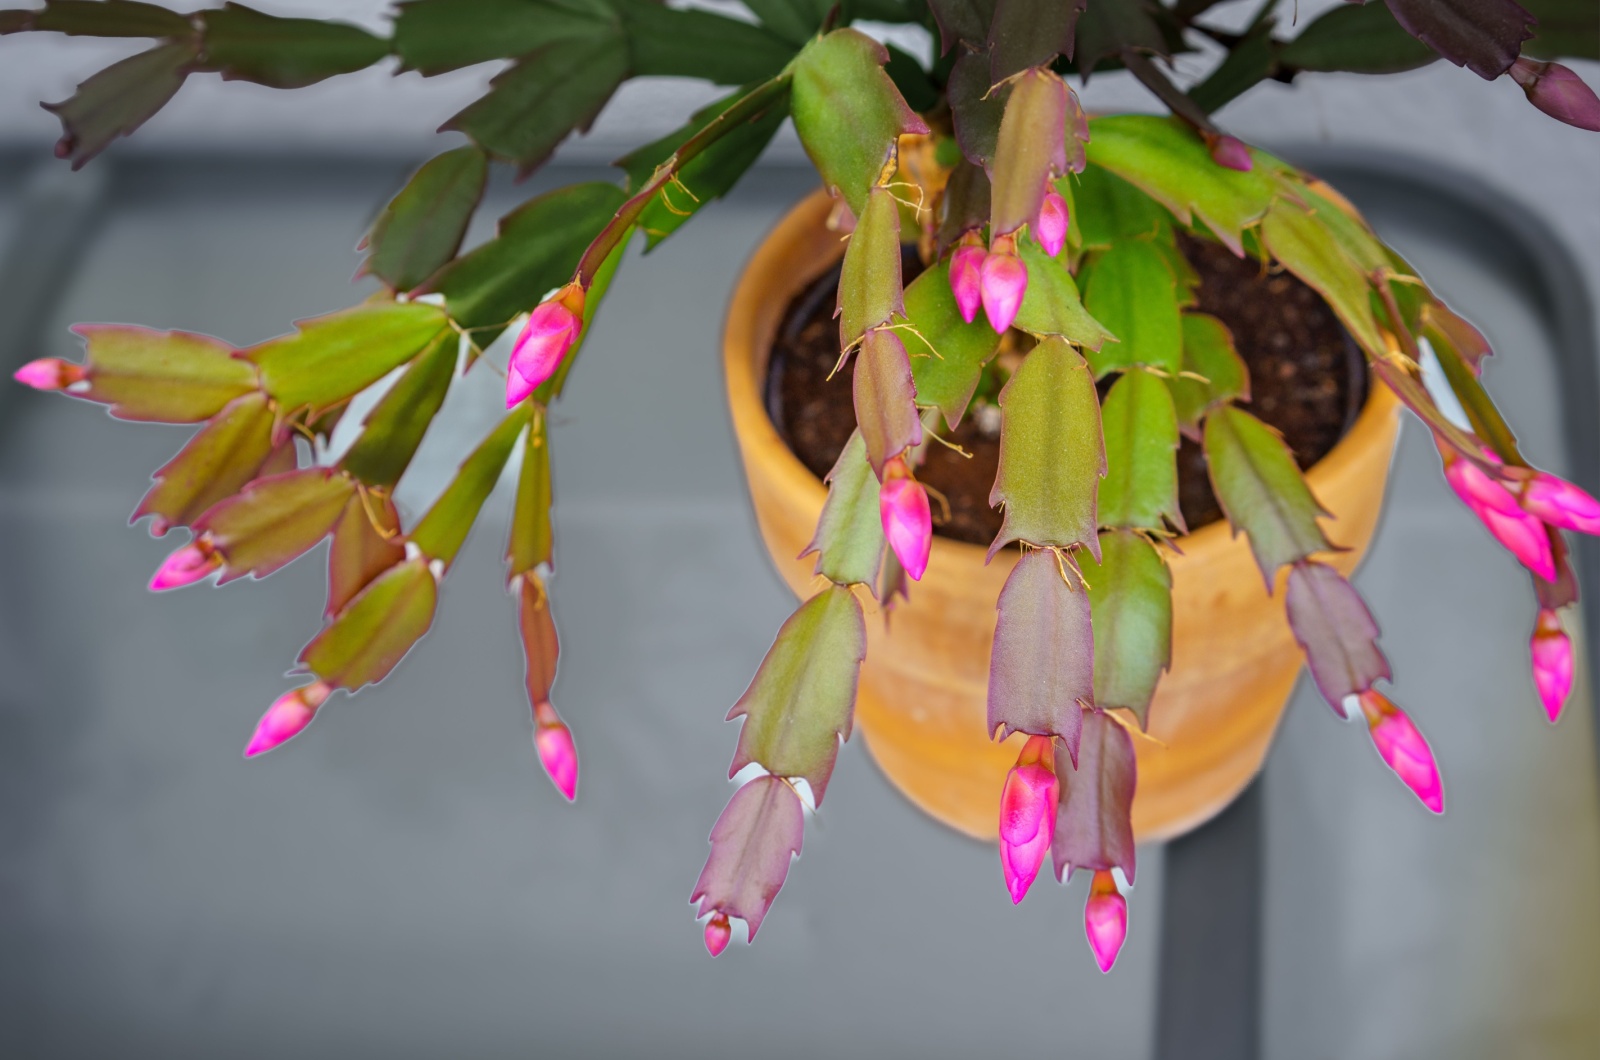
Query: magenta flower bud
column 1050, row 229
column 1558, row 92
column 966, row 268
column 288, row 716
column 557, row 753
column 1105, row 920
column 1562, row 504
column 1522, row 534
column 50, row 373
column 1028, row 815
column 907, row 519
column 1403, row 749
column 1230, row 151
column 1551, row 651
column 549, row 334
column 1476, row 489
column 1003, row 281
column 718, row 933
column 191, row 563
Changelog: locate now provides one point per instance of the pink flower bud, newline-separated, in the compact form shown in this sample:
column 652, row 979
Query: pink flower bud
column 551, row 330
column 718, row 932
column 191, row 563
column 1050, row 229
column 1403, row 749
column 1522, row 534
column 289, row 714
column 1562, row 504
column 907, row 520
column 1551, row 651
column 1558, row 92
column 1231, row 152
column 1028, row 815
column 966, row 268
column 50, row 373
column 557, row 753
column 1105, row 920
column 1004, row 280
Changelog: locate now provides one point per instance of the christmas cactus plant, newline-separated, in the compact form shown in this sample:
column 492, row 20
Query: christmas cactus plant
column 1053, row 272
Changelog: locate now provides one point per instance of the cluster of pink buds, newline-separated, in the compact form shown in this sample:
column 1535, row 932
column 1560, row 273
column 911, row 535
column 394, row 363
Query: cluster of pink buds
column 1551, row 651
column 288, row 716
column 1028, row 815
column 544, row 342
column 1518, row 521
column 1403, row 749
column 907, row 519
column 1558, row 92
column 189, row 564
column 557, row 753
column 50, row 373
column 1105, row 919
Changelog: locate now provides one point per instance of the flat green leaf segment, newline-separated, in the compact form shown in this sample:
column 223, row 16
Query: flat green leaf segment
column 442, row 531
column 275, row 520
column 125, row 18
column 376, row 629
column 1308, row 245
column 532, row 541
column 1361, row 38
column 1338, row 634
column 849, row 537
column 161, row 376
column 710, row 175
column 869, row 280
column 395, row 427
column 119, row 99
column 534, row 251
column 434, row 36
column 331, row 359
column 1051, row 451
column 1171, row 164
column 947, row 353
column 1051, row 306
column 1133, row 292
column 1140, row 490
column 1209, row 354
column 1261, row 490
column 885, row 397
column 366, row 542
column 848, row 113
column 1130, row 598
column 421, row 228
column 668, row 42
column 1107, row 210
column 752, row 843
column 800, row 704
column 248, row 45
column 1041, row 669
column 217, row 462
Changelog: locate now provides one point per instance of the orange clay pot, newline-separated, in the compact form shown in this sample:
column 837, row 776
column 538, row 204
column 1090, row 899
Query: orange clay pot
column 923, row 687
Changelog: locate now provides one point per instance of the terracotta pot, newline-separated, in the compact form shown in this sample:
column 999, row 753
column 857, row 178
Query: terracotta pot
column 923, row 686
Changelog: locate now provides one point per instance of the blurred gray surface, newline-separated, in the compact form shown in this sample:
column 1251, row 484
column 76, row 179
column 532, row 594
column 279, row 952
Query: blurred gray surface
column 404, row 881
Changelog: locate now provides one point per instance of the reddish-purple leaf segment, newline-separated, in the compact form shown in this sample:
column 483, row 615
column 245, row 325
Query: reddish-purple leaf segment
column 761, row 829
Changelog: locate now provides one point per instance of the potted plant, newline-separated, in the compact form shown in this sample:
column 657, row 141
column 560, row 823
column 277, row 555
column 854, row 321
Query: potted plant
column 1097, row 668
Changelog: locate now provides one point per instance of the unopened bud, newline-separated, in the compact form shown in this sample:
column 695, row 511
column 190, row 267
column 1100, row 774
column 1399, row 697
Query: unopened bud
column 1050, row 229
column 557, row 753
column 50, row 373
column 718, row 933
column 1230, row 151
column 1028, row 815
column 1003, row 282
column 1560, row 503
column 288, row 716
column 1105, row 920
column 1551, row 652
column 1558, row 92
column 191, row 563
column 966, row 269
column 549, row 334
column 1403, row 749
column 907, row 519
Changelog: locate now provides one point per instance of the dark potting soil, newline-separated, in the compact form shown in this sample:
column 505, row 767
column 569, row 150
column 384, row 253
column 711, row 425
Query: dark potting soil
column 1307, row 379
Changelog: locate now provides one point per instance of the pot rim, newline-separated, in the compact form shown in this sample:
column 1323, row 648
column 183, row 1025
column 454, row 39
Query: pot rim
column 752, row 324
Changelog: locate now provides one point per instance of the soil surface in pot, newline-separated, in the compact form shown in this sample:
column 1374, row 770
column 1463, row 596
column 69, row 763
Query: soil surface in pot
column 1307, row 379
